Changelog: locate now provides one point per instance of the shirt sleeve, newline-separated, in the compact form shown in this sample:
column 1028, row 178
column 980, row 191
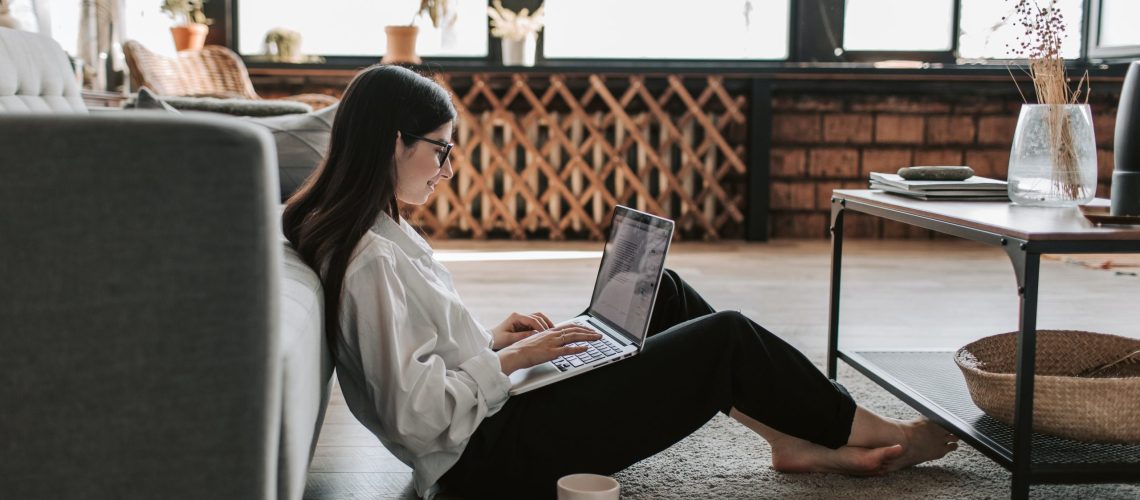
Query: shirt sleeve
column 418, row 399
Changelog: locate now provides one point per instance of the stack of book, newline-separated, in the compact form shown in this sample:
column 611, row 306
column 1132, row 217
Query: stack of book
column 973, row 188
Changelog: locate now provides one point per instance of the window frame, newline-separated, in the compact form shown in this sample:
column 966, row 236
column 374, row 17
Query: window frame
column 930, row 56
column 233, row 25
column 812, row 24
column 1092, row 37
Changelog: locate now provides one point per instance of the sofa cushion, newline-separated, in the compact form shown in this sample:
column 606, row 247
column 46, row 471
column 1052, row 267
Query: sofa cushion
column 307, row 372
column 301, row 140
column 35, row 75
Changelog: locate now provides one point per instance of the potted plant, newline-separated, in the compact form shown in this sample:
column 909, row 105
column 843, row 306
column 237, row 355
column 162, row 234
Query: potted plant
column 518, row 32
column 402, row 38
column 283, row 44
column 191, row 25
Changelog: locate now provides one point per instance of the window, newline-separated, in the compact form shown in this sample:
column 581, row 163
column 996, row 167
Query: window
column 356, row 27
column 149, row 25
column 1111, row 33
column 1118, row 23
column 144, row 21
column 656, row 29
column 985, row 36
column 898, row 25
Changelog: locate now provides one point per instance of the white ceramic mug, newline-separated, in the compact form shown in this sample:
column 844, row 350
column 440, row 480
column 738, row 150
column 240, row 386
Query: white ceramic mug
column 588, row 487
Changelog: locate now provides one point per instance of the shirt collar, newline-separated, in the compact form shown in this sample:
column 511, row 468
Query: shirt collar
column 402, row 234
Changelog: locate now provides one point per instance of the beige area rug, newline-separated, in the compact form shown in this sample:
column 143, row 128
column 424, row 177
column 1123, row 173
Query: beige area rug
column 725, row 460
column 1121, row 263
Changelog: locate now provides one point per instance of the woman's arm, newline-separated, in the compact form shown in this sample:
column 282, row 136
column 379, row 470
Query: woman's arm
column 419, row 401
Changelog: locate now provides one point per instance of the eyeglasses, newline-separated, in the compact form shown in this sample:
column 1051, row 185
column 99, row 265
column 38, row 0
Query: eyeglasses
column 445, row 145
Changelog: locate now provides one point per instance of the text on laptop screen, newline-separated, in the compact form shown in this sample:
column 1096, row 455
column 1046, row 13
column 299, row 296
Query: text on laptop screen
column 631, row 264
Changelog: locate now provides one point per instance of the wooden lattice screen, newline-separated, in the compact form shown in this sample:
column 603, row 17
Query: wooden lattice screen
column 549, row 156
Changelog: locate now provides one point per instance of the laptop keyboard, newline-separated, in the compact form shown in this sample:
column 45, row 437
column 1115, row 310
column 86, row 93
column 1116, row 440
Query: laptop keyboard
column 598, row 349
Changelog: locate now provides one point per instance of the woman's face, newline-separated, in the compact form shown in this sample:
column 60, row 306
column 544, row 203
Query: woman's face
column 418, row 170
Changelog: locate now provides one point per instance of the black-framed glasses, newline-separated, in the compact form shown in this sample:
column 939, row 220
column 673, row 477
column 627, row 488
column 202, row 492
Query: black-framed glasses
column 445, row 145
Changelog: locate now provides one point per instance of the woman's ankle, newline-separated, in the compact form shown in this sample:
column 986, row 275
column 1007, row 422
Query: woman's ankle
column 869, row 430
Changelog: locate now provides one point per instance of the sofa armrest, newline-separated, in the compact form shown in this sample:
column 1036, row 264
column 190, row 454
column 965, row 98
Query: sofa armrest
column 140, row 270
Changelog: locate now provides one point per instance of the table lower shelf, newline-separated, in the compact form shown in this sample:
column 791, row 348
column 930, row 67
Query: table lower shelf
column 932, row 384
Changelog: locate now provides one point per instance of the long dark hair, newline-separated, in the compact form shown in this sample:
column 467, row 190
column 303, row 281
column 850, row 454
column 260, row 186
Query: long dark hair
column 340, row 201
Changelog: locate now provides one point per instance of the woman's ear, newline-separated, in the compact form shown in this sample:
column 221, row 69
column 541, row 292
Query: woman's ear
column 400, row 148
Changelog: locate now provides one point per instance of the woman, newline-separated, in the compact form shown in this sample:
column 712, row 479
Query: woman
column 418, row 370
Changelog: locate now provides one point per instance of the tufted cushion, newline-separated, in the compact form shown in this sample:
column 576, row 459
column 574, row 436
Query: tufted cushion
column 35, row 75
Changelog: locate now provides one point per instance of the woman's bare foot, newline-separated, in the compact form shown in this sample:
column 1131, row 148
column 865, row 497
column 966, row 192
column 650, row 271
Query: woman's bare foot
column 796, row 455
column 877, row 445
column 924, row 441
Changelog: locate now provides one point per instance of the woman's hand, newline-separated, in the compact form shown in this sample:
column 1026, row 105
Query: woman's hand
column 544, row 346
column 518, row 327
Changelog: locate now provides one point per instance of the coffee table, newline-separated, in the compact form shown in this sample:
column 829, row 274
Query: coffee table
column 930, row 382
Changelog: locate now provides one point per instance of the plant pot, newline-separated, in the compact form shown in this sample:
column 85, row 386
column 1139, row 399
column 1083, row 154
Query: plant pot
column 519, row 52
column 189, row 36
column 401, row 45
column 1053, row 159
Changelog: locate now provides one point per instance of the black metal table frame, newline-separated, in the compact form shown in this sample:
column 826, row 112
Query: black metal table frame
column 1025, row 256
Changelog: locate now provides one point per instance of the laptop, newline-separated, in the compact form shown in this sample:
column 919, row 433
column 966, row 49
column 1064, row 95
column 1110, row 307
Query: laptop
column 622, row 302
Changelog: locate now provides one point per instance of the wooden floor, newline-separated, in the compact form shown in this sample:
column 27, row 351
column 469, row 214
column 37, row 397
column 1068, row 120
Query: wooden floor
column 908, row 294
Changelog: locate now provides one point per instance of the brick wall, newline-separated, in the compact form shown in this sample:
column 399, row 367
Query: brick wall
column 827, row 140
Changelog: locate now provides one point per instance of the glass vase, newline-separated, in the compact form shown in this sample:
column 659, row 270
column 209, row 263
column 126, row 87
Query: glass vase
column 1053, row 159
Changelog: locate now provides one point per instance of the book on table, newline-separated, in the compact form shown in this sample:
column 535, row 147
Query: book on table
column 973, row 188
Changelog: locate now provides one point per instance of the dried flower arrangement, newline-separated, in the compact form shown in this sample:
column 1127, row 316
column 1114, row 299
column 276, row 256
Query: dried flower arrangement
column 509, row 25
column 1040, row 42
column 435, row 9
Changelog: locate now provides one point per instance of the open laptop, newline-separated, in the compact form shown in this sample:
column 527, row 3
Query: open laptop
column 622, row 302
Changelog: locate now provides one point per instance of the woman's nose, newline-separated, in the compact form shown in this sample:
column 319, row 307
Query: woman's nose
column 447, row 171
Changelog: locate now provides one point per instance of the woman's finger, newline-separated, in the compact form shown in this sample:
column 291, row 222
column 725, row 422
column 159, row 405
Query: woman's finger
column 571, row 328
column 584, row 336
column 541, row 325
column 571, row 349
column 545, row 320
column 520, row 321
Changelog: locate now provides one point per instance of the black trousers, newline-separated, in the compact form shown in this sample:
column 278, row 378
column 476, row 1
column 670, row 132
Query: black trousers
column 696, row 362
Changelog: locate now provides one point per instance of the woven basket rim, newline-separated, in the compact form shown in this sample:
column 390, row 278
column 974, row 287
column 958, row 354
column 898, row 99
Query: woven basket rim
column 964, row 364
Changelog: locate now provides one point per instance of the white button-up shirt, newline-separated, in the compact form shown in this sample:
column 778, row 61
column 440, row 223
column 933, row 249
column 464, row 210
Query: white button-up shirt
column 415, row 366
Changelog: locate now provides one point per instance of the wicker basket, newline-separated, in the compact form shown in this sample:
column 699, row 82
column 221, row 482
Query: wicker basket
column 1087, row 385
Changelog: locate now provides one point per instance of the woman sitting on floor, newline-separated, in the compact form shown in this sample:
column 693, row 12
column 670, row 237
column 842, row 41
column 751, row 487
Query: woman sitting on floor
column 420, row 372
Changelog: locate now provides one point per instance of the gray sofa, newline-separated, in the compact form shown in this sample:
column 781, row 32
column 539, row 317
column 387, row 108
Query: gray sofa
column 159, row 339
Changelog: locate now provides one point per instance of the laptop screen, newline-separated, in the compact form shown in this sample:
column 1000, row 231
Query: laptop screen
column 630, row 270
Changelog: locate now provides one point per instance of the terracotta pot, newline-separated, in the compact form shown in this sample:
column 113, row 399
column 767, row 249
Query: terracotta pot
column 401, row 45
column 189, row 36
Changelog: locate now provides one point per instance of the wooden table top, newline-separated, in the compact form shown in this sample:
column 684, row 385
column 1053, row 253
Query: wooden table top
column 1001, row 217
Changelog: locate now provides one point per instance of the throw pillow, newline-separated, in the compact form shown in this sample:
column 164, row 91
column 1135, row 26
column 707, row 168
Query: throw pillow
column 238, row 107
column 146, row 99
column 302, row 141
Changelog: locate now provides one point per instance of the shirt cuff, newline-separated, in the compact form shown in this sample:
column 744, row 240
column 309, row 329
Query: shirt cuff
column 488, row 375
